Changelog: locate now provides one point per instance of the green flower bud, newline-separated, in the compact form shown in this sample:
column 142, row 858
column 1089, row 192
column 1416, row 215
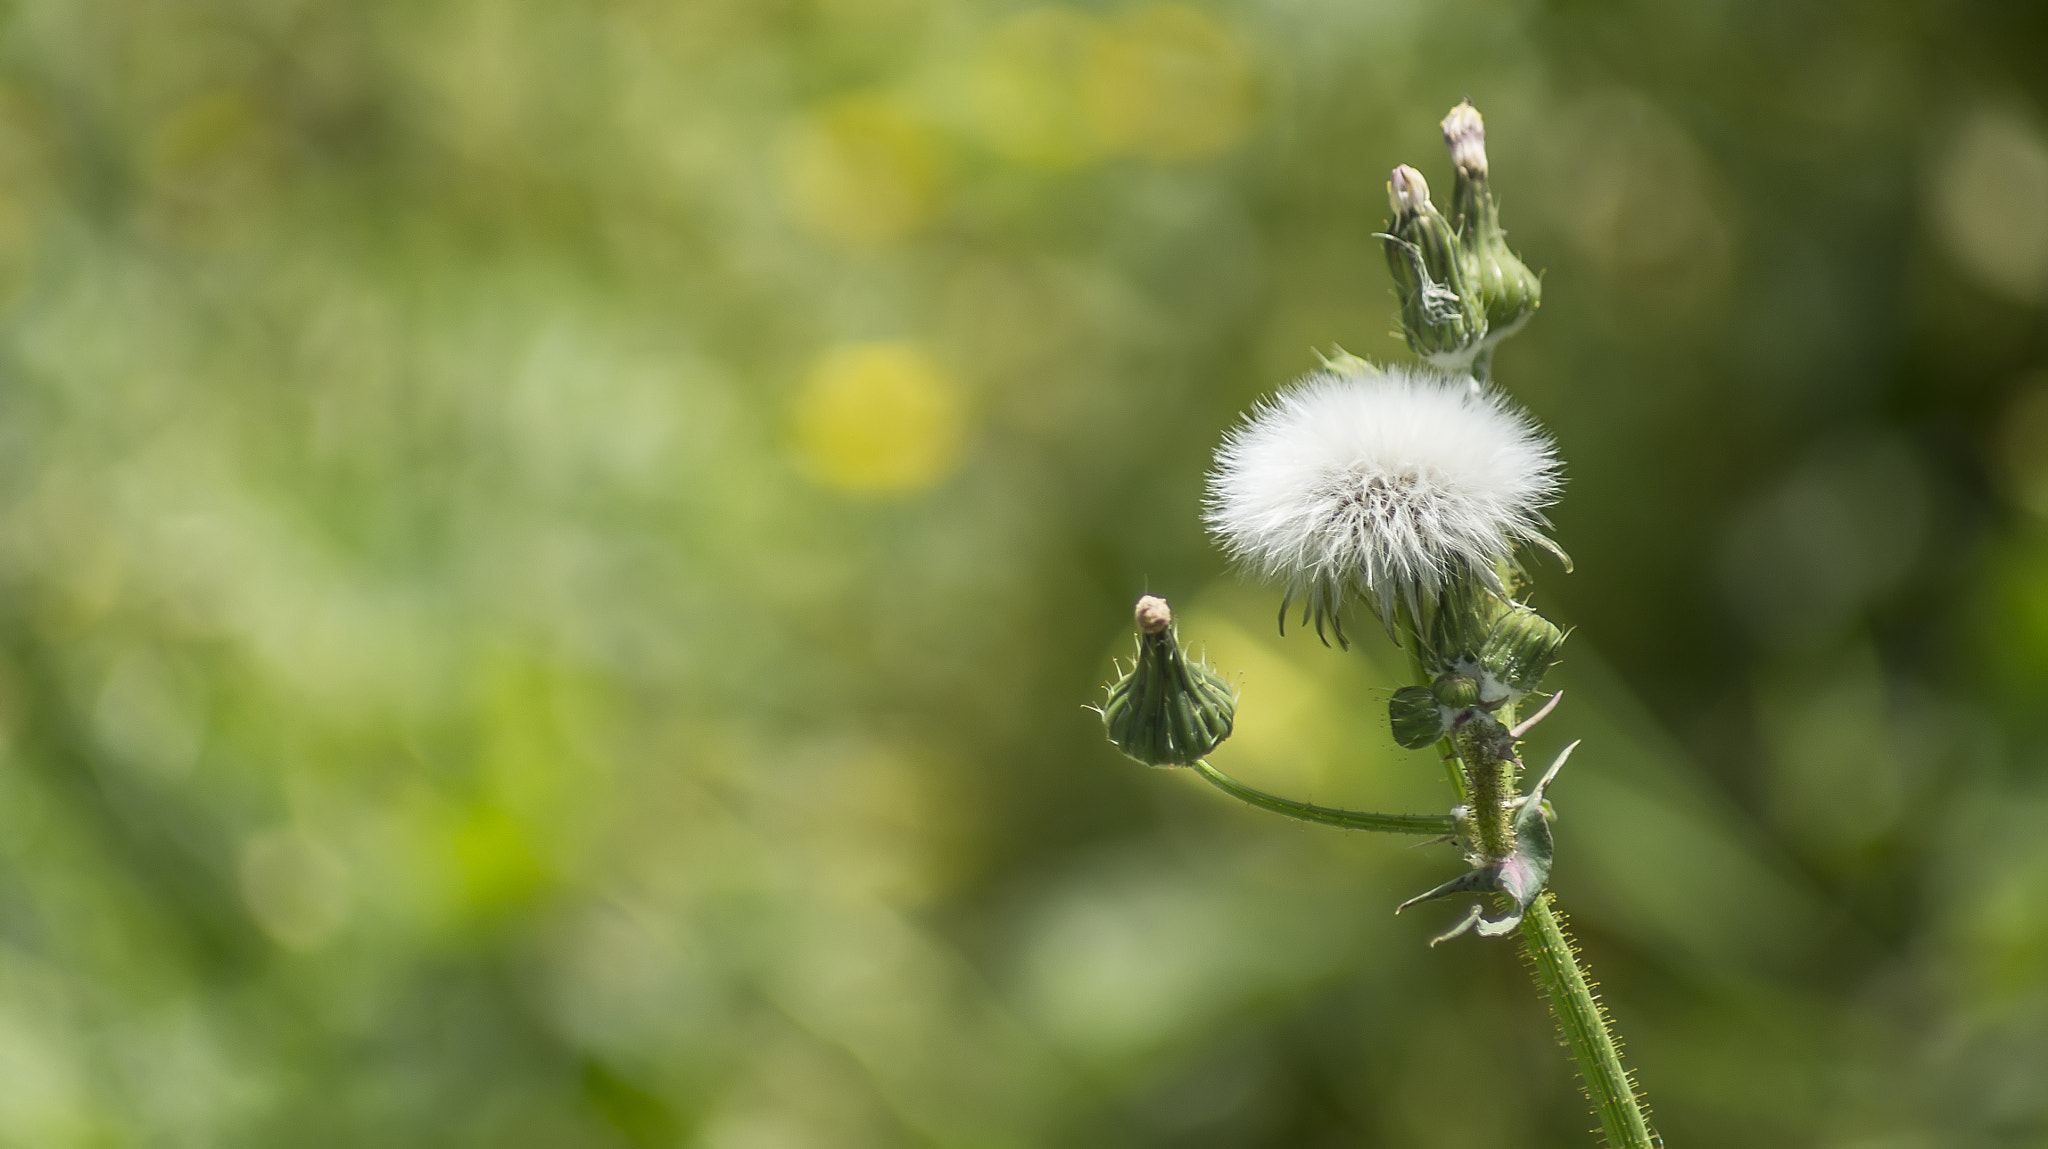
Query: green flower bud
column 1167, row 710
column 1522, row 648
column 1443, row 319
column 1456, row 690
column 1508, row 292
column 1416, row 716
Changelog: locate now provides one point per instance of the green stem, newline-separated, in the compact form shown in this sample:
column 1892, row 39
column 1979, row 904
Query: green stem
column 1433, row 824
column 1482, row 760
column 1582, row 1021
column 1492, row 778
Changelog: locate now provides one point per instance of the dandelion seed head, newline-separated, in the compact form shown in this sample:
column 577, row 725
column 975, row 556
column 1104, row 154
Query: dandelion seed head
column 1383, row 481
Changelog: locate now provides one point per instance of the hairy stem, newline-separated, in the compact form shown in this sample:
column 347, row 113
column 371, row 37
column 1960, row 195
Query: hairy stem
column 1433, row 824
column 1492, row 778
column 1487, row 755
column 1582, row 1022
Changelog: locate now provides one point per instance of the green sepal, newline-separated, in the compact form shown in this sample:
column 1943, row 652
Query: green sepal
column 1417, row 718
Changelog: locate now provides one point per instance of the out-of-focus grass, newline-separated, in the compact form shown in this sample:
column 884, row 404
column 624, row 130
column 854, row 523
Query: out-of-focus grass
column 551, row 556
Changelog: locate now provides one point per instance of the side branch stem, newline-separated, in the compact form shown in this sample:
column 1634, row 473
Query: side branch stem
column 1582, row 1022
column 1430, row 824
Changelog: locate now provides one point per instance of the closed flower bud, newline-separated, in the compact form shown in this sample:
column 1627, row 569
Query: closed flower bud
column 1507, row 291
column 1416, row 716
column 1456, row 690
column 1522, row 648
column 1167, row 710
column 1443, row 319
column 1465, row 135
column 1407, row 191
column 1464, row 618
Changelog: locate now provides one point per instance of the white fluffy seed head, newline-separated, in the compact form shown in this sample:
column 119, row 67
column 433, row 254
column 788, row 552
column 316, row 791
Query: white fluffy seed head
column 1387, row 481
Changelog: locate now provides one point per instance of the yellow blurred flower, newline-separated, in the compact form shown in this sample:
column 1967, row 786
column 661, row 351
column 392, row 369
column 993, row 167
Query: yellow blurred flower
column 861, row 171
column 1029, row 86
column 1056, row 88
column 1168, row 83
column 879, row 418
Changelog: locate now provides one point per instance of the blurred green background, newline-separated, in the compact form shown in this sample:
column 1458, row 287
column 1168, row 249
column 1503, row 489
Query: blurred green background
column 552, row 554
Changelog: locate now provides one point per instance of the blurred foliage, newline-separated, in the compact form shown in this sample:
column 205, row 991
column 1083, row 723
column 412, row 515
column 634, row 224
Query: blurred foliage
column 553, row 552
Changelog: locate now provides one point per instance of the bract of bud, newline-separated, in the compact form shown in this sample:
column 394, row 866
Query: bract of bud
column 1416, row 716
column 1456, row 690
column 1507, row 290
column 1167, row 710
column 1521, row 649
column 1443, row 319
column 1465, row 614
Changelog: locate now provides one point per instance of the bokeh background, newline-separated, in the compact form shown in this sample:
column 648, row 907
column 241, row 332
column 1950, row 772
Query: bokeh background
column 552, row 555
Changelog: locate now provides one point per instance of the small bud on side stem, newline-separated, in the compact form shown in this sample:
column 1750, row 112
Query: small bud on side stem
column 1167, row 710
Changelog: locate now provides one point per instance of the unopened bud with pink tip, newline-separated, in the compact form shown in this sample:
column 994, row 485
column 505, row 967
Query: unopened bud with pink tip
column 1507, row 290
column 1407, row 192
column 1465, row 135
column 1153, row 615
column 1168, row 709
column 1442, row 318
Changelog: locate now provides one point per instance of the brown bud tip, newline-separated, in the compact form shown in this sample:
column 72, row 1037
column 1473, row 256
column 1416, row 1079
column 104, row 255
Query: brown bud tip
column 1153, row 614
column 1465, row 135
column 1407, row 191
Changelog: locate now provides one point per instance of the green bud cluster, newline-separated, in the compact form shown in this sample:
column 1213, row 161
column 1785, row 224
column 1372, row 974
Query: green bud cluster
column 1461, row 288
column 1167, row 710
column 1420, row 715
column 1483, row 648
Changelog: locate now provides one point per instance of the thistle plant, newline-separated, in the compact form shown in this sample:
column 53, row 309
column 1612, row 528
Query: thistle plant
column 1416, row 492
